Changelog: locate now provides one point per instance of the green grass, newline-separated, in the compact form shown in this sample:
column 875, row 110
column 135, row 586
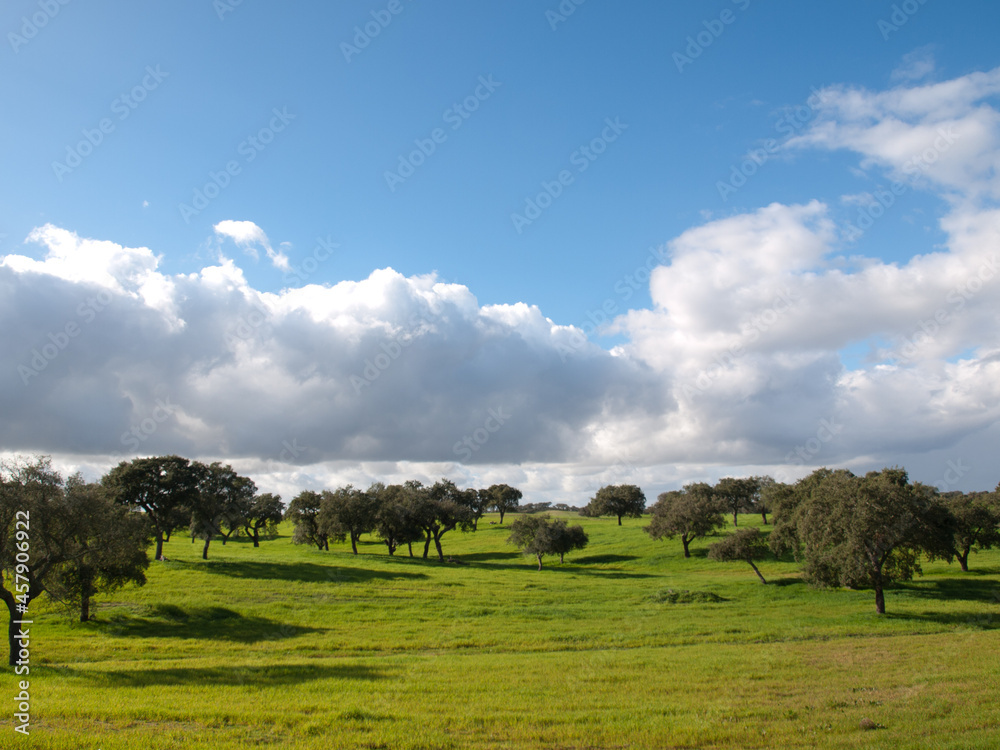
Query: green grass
column 628, row 644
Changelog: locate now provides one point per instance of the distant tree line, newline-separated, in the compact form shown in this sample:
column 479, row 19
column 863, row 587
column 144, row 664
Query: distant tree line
column 399, row 514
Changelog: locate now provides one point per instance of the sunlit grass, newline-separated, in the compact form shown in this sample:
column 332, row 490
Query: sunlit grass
column 286, row 646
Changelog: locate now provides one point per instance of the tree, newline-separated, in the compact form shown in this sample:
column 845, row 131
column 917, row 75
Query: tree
column 621, row 500
column 759, row 500
column 224, row 499
column 444, row 512
column 395, row 520
column 105, row 548
column 539, row 535
column 737, row 494
column 165, row 488
column 503, row 498
column 746, row 545
column 975, row 519
column 303, row 511
column 265, row 513
column 861, row 531
column 35, row 526
column 346, row 512
column 566, row 538
column 689, row 513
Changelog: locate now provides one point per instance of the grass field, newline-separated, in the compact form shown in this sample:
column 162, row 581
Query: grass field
column 288, row 647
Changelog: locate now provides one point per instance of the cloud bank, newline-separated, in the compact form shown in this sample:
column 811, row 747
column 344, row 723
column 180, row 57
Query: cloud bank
column 737, row 365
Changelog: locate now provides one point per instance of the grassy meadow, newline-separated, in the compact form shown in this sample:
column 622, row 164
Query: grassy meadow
column 288, row 647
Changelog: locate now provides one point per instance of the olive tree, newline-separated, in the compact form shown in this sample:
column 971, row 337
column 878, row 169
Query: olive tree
column 689, row 513
column 105, row 547
column 975, row 519
column 303, row 512
column 539, row 535
column 621, row 500
column 861, row 532
column 747, row 545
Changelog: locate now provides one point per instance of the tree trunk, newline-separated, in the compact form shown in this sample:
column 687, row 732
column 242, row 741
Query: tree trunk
column 354, row 543
column 685, row 541
column 204, row 551
column 391, row 548
column 539, row 561
column 85, row 608
column 256, row 537
column 763, row 514
column 427, row 545
column 501, row 516
column 757, row 572
column 619, row 520
column 409, row 546
column 735, row 521
column 963, row 560
column 159, row 545
column 561, row 558
column 879, row 598
column 437, row 543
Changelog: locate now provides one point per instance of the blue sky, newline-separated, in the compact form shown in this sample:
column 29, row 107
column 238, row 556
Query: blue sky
column 543, row 85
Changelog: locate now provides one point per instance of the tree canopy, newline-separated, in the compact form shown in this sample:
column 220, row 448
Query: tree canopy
column 689, row 513
column 540, row 535
column 620, row 500
column 861, row 531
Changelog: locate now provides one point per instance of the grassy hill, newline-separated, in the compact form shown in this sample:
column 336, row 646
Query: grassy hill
column 627, row 644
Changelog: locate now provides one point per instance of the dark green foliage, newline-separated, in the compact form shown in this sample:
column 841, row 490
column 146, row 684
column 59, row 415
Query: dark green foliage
column 396, row 519
column 620, row 500
column 222, row 504
column 105, row 549
column 747, row 545
column 163, row 487
column 539, row 535
column 737, row 495
column 346, row 512
column 264, row 515
column 689, row 513
column 503, row 498
column 975, row 518
column 303, row 512
column 35, row 521
column 444, row 509
column 861, row 531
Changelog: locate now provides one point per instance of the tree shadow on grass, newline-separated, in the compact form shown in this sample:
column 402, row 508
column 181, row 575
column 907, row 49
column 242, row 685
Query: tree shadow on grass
column 207, row 623
column 971, row 619
column 253, row 675
column 302, row 572
column 480, row 556
column 602, row 559
column 963, row 589
column 571, row 566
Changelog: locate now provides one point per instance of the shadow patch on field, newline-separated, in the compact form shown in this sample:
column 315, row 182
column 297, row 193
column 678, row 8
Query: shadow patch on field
column 208, row 623
column 602, row 559
column 786, row 581
column 950, row 589
column 970, row 619
column 480, row 556
column 253, row 676
column 301, row 572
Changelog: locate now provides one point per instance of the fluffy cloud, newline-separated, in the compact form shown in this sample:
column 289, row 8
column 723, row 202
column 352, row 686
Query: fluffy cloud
column 248, row 236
